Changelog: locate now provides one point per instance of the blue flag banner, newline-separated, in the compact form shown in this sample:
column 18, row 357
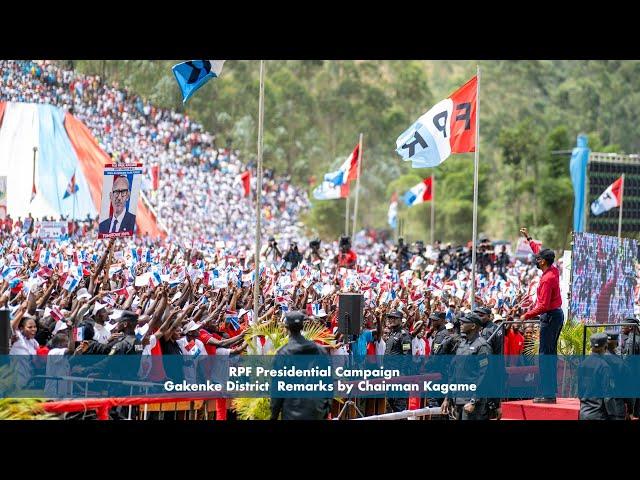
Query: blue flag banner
column 578, row 168
column 193, row 74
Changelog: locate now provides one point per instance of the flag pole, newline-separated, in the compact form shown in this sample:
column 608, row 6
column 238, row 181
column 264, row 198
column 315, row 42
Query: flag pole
column 433, row 206
column 355, row 205
column 474, row 240
column 620, row 212
column 33, row 177
column 256, row 281
column 346, row 216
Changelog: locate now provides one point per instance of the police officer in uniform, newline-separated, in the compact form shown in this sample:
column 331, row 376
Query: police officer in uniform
column 398, row 343
column 497, row 345
column 310, row 408
column 620, row 370
column 440, row 333
column 462, row 371
column 596, row 379
column 488, row 328
column 632, row 347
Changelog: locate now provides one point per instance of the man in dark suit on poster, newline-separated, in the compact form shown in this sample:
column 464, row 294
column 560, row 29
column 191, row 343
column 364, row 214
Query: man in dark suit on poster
column 121, row 220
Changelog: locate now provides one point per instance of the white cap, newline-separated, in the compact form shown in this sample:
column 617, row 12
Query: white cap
column 98, row 306
column 191, row 326
column 449, row 326
column 60, row 325
column 116, row 314
column 83, row 293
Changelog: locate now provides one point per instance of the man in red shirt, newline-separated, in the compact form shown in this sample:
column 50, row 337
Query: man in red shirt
column 347, row 257
column 548, row 308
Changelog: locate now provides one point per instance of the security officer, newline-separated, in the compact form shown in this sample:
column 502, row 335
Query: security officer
column 488, row 328
column 632, row 347
column 620, row 371
column 493, row 334
column 299, row 408
column 440, row 333
column 398, row 343
column 453, row 339
column 595, row 380
column 463, row 371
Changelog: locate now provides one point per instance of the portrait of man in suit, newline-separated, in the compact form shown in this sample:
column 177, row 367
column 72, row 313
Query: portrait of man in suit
column 121, row 220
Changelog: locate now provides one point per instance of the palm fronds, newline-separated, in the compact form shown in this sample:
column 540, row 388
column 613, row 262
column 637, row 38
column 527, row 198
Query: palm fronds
column 23, row 409
column 252, row 408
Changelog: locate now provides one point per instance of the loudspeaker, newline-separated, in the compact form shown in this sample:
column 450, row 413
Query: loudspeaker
column 5, row 331
column 350, row 312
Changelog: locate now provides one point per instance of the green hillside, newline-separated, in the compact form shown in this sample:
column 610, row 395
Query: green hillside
column 314, row 111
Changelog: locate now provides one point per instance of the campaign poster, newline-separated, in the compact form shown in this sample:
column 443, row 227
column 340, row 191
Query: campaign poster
column 3, row 197
column 120, row 192
column 51, row 230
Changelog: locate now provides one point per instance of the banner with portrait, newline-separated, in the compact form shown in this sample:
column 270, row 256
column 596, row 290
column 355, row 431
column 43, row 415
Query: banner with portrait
column 120, row 192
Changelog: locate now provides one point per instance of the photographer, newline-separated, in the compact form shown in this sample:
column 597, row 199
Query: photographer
column 402, row 256
column 347, row 257
column 314, row 255
column 293, row 256
column 419, row 261
column 273, row 251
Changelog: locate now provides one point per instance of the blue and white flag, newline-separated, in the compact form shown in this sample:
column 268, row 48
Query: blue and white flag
column 70, row 283
column 193, row 74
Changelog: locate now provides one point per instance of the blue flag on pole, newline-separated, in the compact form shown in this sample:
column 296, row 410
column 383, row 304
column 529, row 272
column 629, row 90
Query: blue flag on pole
column 193, row 74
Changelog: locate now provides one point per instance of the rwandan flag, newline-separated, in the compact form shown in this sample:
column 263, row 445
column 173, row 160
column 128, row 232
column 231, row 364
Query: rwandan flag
column 71, row 188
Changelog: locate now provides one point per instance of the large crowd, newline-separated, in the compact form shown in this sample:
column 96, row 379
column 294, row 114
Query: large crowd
column 193, row 294
column 200, row 196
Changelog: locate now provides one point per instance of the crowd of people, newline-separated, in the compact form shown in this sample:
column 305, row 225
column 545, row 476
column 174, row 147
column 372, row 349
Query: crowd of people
column 199, row 195
column 192, row 295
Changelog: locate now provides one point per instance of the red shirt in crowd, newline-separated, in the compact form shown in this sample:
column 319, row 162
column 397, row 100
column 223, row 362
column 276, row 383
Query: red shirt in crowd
column 347, row 260
column 513, row 343
column 549, row 297
column 204, row 338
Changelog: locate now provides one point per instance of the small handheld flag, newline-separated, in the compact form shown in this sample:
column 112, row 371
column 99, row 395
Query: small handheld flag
column 72, row 188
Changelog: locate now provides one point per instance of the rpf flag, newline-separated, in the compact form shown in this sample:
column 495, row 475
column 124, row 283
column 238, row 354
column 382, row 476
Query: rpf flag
column 328, row 191
column 449, row 127
column 348, row 170
column 72, row 188
column 392, row 215
column 610, row 198
column 420, row 193
column 193, row 74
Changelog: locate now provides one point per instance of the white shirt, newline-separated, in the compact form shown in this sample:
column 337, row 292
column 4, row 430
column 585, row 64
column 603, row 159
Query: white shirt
column 100, row 333
column 22, row 346
column 119, row 219
column 381, row 346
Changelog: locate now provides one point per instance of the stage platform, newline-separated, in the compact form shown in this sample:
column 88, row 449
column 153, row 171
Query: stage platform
column 564, row 409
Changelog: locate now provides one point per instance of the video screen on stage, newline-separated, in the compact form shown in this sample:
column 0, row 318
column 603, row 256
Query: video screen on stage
column 604, row 277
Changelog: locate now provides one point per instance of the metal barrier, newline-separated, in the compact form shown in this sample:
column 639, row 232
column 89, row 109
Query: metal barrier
column 598, row 325
column 408, row 414
column 102, row 406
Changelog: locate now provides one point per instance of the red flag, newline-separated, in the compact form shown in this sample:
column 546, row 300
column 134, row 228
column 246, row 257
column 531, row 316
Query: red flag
column 463, row 118
column 33, row 192
column 155, row 175
column 246, row 182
